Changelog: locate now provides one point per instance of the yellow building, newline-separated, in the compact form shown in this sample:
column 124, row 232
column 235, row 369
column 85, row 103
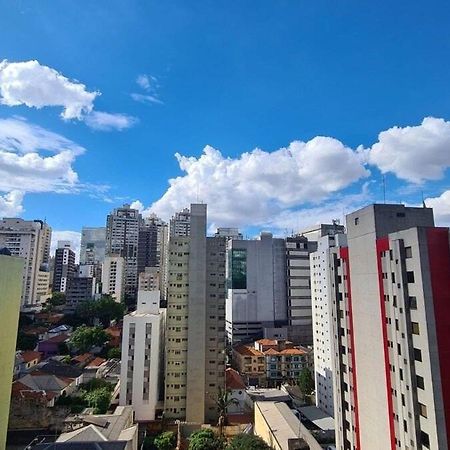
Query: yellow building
column 11, row 269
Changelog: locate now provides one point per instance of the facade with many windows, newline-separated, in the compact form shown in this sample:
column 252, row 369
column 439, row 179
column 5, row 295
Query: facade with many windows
column 391, row 331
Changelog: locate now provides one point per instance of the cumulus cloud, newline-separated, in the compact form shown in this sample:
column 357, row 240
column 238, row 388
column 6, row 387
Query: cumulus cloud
column 37, row 86
column 441, row 208
column 415, row 153
column 258, row 185
column 33, row 159
column 104, row 121
column 73, row 236
column 11, row 204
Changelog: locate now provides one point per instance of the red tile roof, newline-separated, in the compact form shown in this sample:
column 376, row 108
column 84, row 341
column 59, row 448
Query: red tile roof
column 246, row 350
column 30, row 355
column 97, row 362
column 233, row 380
column 83, row 358
column 56, row 339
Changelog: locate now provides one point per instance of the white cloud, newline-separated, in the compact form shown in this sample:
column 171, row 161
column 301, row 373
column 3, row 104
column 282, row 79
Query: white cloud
column 11, row 204
column 146, row 98
column 150, row 85
column 143, row 81
column 33, row 159
column 104, row 121
column 441, row 208
column 34, row 85
column 259, row 185
column 73, row 236
column 415, row 153
column 37, row 86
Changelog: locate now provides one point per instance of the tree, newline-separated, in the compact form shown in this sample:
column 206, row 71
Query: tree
column 165, row 441
column 107, row 309
column 114, row 352
column 26, row 341
column 247, row 442
column 305, row 382
column 206, row 439
column 99, row 399
column 223, row 401
column 86, row 312
column 83, row 338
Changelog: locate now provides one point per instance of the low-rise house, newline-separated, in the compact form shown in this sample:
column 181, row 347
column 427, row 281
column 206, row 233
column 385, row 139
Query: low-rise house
column 25, row 360
column 94, row 430
column 51, row 346
column 236, row 386
column 115, row 334
column 272, row 361
column 91, row 369
column 82, row 360
column 61, row 329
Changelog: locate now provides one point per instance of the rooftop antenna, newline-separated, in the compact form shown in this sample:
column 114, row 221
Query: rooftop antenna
column 423, row 202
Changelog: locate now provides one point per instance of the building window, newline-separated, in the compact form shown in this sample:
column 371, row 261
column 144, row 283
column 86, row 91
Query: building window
column 417, row 354
column 425, row 439
column 356, row 220
column 415, row 328
column 423, row 410
column 420, row 382
column 412, row 302
column 410, row 276
column 408, row 252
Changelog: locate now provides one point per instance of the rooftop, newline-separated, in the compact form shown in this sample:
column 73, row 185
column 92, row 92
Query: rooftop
column 233, row 380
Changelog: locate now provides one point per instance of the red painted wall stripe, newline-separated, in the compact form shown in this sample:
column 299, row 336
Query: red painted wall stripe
column 382, row 246
column 345, row 257
column 439, row 261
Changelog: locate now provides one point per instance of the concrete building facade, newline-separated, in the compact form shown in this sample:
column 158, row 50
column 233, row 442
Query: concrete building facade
column 122, row 237
column 30, row 240
column 392, row 331
column 113, row 277
column 64, row 267
column 322, row 294
column 256, row 287
column 11, row 272
column 195, row 341
column 142, row 356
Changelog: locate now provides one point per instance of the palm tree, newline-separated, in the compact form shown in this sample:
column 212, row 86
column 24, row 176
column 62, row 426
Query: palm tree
column 223, row 401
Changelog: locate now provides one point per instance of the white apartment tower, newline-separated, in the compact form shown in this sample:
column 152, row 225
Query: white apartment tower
column 28, row 239
column 392, row 331
column 64, row 267
column 195, row 332
column 122, row 236
column 142, row 341
column 113, row 277
column 322, row 295
column 180, row 223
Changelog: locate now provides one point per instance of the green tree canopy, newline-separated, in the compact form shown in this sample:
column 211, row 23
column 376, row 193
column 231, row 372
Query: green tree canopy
column 83, row 338
column 99, row 399
column 165, row 441
column 206, row 439
column 105, row 310
column 26, row 341
column 305, row 381
column 114, row 352
column 247, row 442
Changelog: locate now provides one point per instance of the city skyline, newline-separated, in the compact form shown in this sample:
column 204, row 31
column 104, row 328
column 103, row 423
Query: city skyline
column 292, row 122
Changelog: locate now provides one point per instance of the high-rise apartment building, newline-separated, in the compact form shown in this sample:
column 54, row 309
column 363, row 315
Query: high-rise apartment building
column 122, row 237
column 64, row 267
column 256, row 287
column 113, row 277
column 195, row 332
column 28, row 239
column 79, row 290
column 142, row 356
column 11, row 272
column 180, row 223
column 392, row 322
column 150, row 279
column 93, row 245
column 322, row 296
column 298, row 289
column 230, row 233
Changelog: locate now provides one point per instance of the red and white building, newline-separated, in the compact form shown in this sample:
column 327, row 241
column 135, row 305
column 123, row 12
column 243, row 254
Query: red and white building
column 391, row 326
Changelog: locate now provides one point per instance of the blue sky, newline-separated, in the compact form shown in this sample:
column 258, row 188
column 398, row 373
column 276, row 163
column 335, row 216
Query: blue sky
column 235, row 76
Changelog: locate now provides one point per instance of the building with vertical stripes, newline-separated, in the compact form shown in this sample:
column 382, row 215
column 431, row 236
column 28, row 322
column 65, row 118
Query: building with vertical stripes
column 391, row 331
